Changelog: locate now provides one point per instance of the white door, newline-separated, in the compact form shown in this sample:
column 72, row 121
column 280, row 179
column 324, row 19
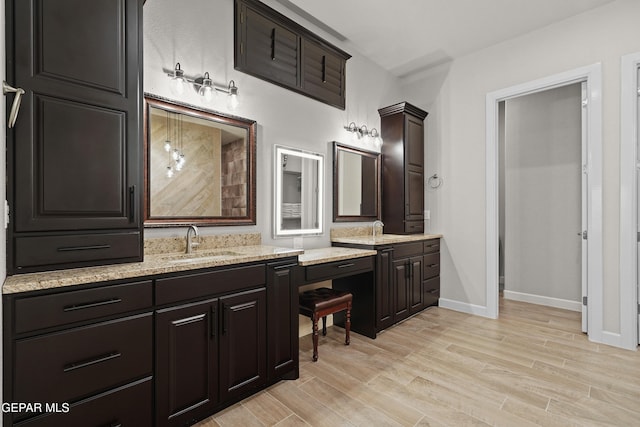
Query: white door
column 638, row 198
column 583, row 234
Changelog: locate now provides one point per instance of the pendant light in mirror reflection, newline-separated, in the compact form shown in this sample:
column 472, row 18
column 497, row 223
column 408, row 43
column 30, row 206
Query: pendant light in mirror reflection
column 204, row 86
column 173, row 144
column 362, row 134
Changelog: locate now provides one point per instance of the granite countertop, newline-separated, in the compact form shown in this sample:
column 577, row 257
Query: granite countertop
column 322, row 255
column 384, row 239
column 153, row 264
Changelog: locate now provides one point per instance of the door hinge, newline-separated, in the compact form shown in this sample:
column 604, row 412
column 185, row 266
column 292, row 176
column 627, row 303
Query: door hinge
column 584, row 300
column 584, row 235
column 585, row 102
column 6, row 214
column 638, row 309
column 638, row 236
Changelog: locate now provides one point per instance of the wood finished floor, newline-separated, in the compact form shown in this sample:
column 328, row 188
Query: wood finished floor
column 532, row 366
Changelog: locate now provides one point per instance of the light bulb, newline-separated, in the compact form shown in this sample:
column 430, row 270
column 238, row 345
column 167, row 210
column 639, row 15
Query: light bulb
column 232, row 100
column 169, row 171
column 175, row 154
column 167, row 146
column 178, row 82
column 207, row 90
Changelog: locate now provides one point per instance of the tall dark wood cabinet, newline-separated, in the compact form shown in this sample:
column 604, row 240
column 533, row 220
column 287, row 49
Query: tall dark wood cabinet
column 402, row 129
column 74, row 156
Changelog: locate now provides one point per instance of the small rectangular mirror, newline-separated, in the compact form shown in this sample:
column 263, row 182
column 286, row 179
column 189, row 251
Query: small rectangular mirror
column 298, row 192
column 356, row 184
column 199, row 166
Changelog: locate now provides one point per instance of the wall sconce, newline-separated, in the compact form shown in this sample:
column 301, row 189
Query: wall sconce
column 204, row 86
column 370, row 136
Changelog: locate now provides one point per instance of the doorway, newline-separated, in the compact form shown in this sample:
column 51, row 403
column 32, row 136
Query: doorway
column 592, row 76
column 541, row 182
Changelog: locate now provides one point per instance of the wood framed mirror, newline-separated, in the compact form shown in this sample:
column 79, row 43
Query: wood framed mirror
column 199, row 166
column 356, row 184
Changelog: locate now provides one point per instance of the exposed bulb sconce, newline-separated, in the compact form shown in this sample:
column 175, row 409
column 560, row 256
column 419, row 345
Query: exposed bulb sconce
column 370, row 136
column 204, row 86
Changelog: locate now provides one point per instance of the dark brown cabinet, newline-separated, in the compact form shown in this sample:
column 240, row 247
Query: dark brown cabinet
column 74, row 155
column 272, row 47
column 89, row 349
column 165, row 350
column 402, row 129
column 186, row 362
column 282, row 321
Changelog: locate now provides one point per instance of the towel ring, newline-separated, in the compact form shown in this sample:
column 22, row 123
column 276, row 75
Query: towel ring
column 434, row 181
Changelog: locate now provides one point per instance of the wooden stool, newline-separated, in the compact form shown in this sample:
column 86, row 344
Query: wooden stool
column 322, row 302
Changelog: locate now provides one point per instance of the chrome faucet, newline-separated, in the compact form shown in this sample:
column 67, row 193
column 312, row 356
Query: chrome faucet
column 375, row 227
column 190, row 244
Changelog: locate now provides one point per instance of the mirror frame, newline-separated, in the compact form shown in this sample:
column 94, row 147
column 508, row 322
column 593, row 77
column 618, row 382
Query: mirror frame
column 278, row 232
column 173, row 106
column 337, row 147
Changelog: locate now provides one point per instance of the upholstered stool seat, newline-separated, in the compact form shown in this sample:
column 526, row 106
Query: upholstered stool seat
column 320, row 303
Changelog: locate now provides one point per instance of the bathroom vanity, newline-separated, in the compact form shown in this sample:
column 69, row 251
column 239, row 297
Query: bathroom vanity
column 174, row 338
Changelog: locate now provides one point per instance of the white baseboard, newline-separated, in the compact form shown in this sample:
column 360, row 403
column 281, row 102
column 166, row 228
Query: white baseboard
column 463, row 307
column 542, row 300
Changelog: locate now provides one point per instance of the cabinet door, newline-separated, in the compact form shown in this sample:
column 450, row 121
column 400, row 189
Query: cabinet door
column 415, row 284
column 384, row 289
column 242, row 343
column 76, row 144
column 186, row 362
column 402, row 294
column 414, row 171
column 282, row 323
column 323, row 74
column 267, row 49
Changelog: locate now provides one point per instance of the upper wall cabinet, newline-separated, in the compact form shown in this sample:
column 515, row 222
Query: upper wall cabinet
column 74, row 164
column 272, row 47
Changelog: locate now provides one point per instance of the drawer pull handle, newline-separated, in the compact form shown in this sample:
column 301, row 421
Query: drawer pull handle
column 186, row 321
column 433, row 291
column 93, row 361
column 91, row 304
column 432, row 265
column 83, row 248
column 114, row 424
column 282, row 267
column 346, row 265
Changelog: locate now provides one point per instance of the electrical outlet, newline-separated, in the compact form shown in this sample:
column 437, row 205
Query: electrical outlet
column 427, row 214
column 297, row 242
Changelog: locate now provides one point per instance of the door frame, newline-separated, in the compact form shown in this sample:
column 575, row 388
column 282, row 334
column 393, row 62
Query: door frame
column 629, row 201
column 592, row 75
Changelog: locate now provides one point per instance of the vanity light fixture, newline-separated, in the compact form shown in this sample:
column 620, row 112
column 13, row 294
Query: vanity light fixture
column 370, row 136
column 204, row 86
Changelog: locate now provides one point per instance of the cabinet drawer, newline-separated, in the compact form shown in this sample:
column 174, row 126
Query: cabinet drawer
column 50, row 250
column 413, row 227
column 191, row 286
column 431, row 265
column 75, row 306
column 407, row 250
column 65, row 366
column 431, row 246
column 333, row 270
column 431, row 291
column 130, row 405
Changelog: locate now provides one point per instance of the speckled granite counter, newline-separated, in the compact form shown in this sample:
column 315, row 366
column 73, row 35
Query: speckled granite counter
column 322, row 255
column 153, row 264
column 384, row 239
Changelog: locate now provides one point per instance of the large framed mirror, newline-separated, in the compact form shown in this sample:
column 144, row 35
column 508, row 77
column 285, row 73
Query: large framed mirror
column 299, row 192
column 200, row 166
column 356, row 184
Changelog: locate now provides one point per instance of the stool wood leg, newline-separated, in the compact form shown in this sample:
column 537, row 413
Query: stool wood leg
column 324, row 325
column 347, row 325
column 314, row 319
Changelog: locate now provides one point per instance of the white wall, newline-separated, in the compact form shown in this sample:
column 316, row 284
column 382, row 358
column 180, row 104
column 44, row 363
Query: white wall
column 199, row 35
column 543, row 196
column 456, row 134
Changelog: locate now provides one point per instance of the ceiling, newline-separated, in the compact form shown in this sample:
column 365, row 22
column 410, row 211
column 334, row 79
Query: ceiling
column 408, row 36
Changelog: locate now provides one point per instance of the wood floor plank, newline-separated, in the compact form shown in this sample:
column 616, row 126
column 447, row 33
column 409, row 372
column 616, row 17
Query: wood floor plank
column 532, row 366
